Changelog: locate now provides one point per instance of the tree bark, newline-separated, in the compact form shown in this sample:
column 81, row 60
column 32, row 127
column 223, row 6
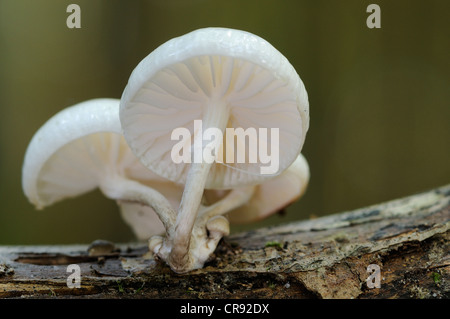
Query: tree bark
column 398, row 249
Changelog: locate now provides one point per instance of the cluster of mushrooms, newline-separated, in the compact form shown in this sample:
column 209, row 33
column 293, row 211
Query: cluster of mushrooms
column 224, row 77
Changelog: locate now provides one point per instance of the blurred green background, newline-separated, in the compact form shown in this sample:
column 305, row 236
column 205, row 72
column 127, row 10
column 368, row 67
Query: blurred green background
column 379, row 98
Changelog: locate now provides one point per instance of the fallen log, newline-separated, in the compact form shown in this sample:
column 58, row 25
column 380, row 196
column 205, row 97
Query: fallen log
column 397, row 249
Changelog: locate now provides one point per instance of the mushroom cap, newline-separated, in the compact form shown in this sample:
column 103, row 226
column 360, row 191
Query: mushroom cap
column 142, row 219
column 178, row 81
column 218, row 226
column 74, row 150
column 274, row 194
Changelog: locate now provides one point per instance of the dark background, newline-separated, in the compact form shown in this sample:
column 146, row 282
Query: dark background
column 379, row 98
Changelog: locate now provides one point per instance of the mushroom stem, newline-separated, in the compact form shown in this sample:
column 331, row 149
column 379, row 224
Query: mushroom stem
column 211, row 226
column 234, row 199
column 214, row 117
column 120, row 188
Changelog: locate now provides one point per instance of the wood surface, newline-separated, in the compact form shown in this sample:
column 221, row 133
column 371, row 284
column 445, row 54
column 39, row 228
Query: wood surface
column 335, row 256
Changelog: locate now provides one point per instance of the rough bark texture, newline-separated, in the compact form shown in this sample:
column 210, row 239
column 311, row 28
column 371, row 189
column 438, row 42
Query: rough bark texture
column 408, row 239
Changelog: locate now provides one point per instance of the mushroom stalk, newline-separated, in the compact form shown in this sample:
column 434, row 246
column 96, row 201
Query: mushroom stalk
column 120, row 188
column 212, row 74
column 234, row 199
column 215, row 117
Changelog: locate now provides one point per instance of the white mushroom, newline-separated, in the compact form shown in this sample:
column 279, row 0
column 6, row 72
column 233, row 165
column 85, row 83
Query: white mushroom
column 82, row 148
column 141, row 218
column 270, row 196
column 261, row 201
column 227, row 79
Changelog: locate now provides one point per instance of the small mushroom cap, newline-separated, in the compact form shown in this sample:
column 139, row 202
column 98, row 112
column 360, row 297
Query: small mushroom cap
column 218, row 226
column 274, row 194
column 212, row 68
column 74, row 150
